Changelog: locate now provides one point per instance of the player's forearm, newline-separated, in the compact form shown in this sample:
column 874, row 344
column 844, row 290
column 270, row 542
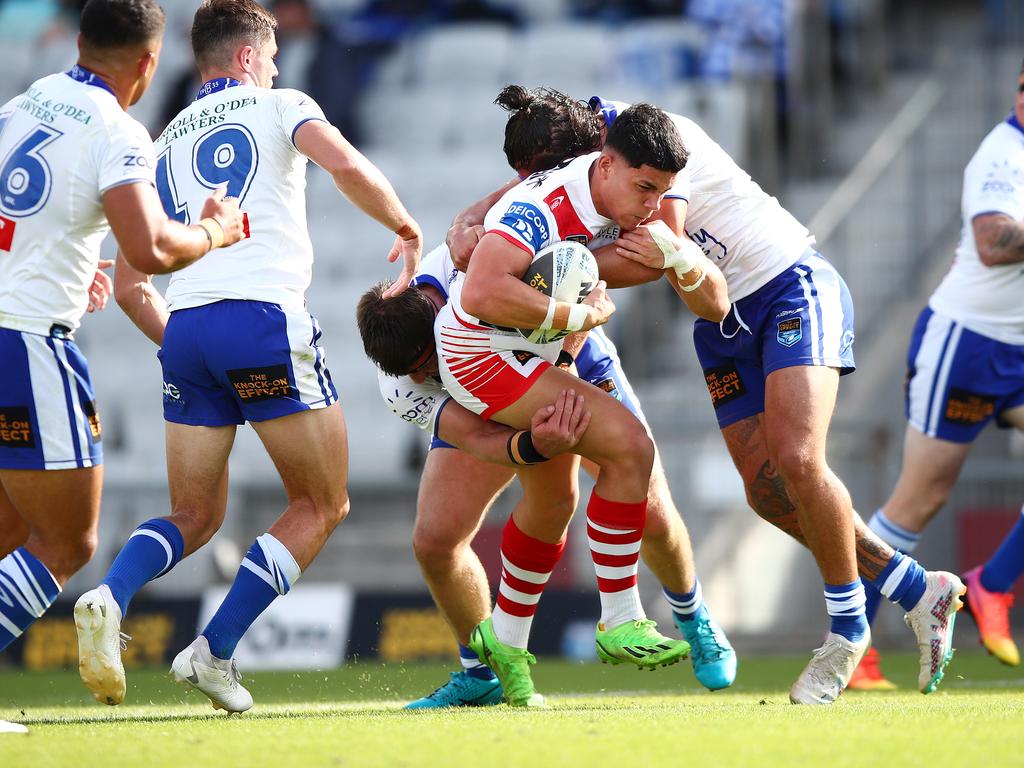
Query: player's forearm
column 485, row 440
column 619, row 272
column 1000, row 240
column 504, row 300
column 142, row 303
column 370, row 191
column 710, row 299
column 173, row 246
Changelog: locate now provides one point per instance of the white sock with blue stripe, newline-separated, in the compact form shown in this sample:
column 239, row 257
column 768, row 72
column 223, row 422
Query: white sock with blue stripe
column 472, row 665
column 685, row 605
column 268, row 570
column 27, row 589
column 894, row 535
column 845, row 604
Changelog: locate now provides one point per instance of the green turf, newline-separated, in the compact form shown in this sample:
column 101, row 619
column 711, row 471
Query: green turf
column 602, row 716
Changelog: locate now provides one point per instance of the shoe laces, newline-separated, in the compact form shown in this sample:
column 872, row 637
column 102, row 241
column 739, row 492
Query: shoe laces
column 123, row 638
column 455, row 680
column 827, row 672
column 706, row 642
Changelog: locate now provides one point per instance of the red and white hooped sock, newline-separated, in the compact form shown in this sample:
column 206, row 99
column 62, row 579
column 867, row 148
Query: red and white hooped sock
column 526, row 566
column 614, row 530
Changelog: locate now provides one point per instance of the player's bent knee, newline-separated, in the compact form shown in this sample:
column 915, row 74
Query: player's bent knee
column 798, row 465
column 633, row 449
column 433, row 550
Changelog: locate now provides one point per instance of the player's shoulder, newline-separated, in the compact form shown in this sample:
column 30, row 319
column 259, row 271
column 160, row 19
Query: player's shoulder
column 1002, row 148
column 411, row 401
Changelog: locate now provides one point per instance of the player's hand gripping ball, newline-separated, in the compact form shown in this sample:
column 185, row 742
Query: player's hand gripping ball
column 565, row 271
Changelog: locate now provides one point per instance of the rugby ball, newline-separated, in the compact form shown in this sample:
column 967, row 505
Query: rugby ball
column 565, row 271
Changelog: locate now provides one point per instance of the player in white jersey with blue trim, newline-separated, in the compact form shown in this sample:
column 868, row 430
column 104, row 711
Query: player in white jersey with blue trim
column 458, row 486
column 73, row 166
column 239, row 345
column 790, row 331
column 965, row 370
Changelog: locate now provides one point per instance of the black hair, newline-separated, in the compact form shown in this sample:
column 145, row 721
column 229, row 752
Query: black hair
column 545, row 127
column 113, row 24
column 645, row 135
column 396, row 332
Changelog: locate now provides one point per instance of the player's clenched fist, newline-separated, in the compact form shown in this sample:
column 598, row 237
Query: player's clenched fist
column 225, row 213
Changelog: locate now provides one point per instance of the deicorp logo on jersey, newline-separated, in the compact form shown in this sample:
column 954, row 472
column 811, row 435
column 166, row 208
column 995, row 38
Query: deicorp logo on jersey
column 528, row 222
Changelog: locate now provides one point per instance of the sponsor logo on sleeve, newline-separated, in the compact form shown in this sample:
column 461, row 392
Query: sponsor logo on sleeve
column 526, row 220
column 253, row 385
column 724, row 384
column 16, row 430
column 968, row 408
column 790, row 331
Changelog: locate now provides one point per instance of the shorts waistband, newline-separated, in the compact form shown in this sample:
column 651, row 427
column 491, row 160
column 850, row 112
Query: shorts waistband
column 36, row 326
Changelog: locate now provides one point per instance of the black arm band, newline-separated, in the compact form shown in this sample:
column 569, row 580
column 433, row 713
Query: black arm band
column 522, row 451
column 564, row 360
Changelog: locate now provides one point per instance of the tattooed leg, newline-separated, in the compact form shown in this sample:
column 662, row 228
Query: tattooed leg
column 767, row 496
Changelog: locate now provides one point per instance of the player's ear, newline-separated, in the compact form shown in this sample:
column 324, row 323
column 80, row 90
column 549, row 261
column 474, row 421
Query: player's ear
column 146, row 65
column 246, row 54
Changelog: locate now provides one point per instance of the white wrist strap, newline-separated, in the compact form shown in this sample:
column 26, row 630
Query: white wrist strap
column 695, row 286
column 577, row 317
column 546, row 325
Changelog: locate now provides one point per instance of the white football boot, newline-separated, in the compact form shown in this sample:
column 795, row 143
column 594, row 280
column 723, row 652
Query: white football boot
column 932, row 621
column 219, row 679
column 829, row 670
column 7, row 727
column 100, row 641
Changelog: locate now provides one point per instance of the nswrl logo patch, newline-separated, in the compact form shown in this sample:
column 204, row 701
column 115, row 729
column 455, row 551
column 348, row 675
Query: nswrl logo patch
column 790, row 331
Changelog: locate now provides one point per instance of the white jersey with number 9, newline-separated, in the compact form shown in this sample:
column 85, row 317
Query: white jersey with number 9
column 241, row 136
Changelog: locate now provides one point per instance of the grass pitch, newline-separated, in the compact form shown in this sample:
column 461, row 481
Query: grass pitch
column 601, row 716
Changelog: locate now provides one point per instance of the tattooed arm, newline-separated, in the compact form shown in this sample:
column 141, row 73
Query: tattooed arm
column 999, row 238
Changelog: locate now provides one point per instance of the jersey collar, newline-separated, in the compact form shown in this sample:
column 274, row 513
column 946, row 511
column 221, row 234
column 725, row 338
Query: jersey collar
column 605, row 109
column 1012, row 120
column 83, row 75
column 217, row 84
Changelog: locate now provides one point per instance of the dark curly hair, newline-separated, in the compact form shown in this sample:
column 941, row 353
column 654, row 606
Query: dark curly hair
column 546, row 126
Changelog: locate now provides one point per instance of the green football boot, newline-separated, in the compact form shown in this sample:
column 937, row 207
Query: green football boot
column 640, row 643
column 510, row 664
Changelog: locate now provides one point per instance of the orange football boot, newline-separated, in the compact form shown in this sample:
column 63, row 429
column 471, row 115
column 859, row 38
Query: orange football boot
column 991, row 612
column 868, row 675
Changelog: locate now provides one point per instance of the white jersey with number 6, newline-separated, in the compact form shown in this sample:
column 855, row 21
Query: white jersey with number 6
column 63, row 143
column 244, row 137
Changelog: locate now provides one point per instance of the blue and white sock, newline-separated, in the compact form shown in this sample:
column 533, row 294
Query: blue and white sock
column 685, row 605
column 845, row 604
column 268, row 570
column 152, row 550
column 472, row 665
column 27, row 589
column 903, row 581
column 1007, row 564
column 897, row 537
